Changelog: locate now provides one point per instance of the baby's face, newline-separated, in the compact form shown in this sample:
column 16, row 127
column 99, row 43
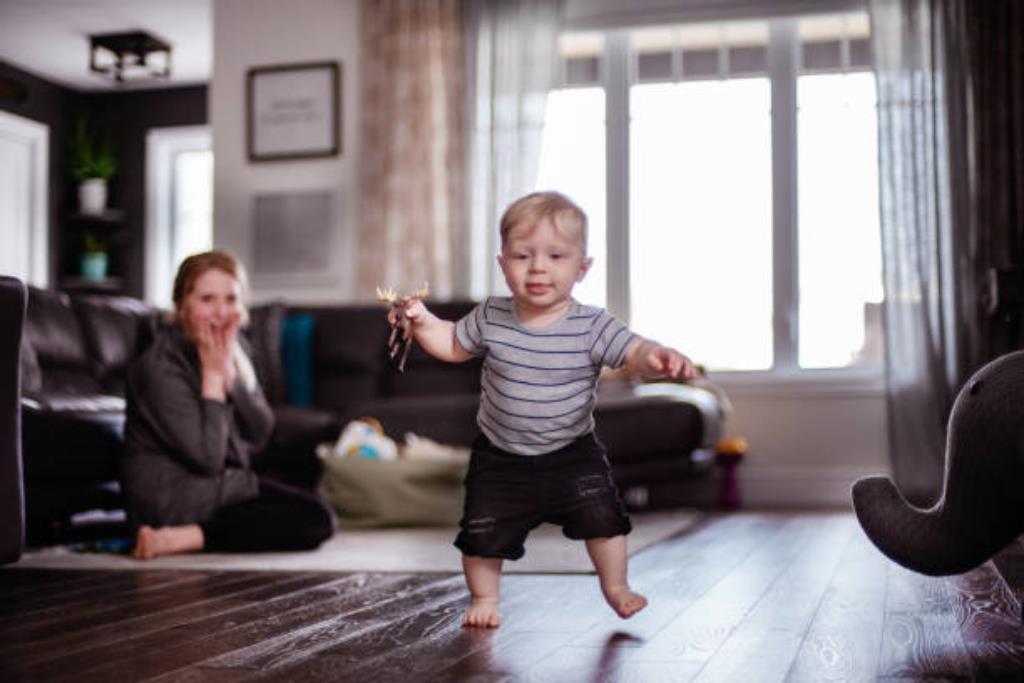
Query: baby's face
column 541, row 265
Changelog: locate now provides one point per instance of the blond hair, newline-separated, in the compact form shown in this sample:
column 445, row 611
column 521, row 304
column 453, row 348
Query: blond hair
column 190, row 270
column 564, row 214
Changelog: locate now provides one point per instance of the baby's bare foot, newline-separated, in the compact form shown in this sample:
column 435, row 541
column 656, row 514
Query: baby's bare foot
column 482, row 613
column 624, row 600
column 146, row 541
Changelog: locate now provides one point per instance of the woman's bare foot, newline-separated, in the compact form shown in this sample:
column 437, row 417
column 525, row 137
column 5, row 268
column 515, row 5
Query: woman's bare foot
column 482, row 613
column 625, row 601
column 166, row 540
column 145, row 543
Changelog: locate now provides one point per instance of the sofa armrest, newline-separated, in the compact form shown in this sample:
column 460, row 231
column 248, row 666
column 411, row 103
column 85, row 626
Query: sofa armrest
column 652, row 421
column 301, row 429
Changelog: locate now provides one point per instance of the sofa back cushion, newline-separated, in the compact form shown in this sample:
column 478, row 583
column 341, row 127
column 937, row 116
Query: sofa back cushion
column 265, row 349
column 53, row 331
column 425, row 375
column 349, row 354
column 116, row 330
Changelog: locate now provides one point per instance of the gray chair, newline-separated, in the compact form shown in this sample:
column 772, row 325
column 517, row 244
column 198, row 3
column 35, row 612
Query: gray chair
column 12, row 501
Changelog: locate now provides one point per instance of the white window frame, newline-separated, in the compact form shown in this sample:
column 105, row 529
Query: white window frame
column 32, row 203
column 163, row 145
column 617, row 76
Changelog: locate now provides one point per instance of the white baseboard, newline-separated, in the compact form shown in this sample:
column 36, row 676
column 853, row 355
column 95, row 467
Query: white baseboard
column 800, row 487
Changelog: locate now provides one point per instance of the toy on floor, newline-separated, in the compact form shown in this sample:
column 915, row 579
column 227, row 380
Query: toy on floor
column 982, row 505
column 400, row 341
column 365, row 438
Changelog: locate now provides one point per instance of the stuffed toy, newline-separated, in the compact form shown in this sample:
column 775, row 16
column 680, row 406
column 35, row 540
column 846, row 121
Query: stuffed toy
column 400, row 341
column 981, row 509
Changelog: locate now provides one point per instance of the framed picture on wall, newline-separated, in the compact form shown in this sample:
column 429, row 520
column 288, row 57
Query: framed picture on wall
column 294, row 111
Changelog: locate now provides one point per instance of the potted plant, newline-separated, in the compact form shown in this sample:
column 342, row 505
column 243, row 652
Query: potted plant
column 94, row 257
column 92, row 165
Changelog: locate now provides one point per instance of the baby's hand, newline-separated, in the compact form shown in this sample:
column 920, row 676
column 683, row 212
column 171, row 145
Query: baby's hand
column 667, row 362
column 415, row 311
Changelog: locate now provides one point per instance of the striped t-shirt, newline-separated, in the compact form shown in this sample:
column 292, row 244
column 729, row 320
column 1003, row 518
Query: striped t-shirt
column 538, row 384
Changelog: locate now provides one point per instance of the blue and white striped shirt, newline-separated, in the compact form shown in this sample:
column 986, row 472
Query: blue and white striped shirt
column 538, row 384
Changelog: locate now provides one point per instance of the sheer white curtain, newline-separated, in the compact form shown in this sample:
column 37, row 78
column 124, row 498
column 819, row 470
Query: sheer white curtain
column 512, row 63
column 926, row 236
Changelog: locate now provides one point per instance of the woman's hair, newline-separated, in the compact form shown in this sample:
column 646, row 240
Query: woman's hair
column 567, row 217
column 195, row 265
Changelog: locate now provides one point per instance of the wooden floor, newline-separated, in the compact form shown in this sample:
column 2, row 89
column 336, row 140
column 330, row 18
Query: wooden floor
column 745, row 597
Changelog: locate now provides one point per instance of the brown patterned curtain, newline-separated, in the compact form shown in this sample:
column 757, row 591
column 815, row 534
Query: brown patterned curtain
column 411, row 160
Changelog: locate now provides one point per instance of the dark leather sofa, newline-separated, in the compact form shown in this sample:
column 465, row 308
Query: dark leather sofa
column 76, row 351
column 12, row 505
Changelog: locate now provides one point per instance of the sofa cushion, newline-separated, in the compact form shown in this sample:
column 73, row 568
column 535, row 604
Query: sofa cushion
column 264, row 335
column 53, row 331
column 31, row 374
column 349, row 354
column 116, row 330
column 425, row 375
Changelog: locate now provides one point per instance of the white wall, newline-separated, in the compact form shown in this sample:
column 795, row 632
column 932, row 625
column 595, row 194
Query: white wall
column 249, row 33
column 809, row 439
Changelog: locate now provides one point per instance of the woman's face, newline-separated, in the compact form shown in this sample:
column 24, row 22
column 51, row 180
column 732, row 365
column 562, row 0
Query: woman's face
column 214, row 304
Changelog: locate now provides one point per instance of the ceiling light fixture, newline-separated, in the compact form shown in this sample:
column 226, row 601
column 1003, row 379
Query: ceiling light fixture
column 132, row 55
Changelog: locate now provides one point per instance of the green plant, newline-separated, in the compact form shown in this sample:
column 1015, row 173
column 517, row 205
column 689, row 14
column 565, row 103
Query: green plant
column 92, row 152
column 92, row 244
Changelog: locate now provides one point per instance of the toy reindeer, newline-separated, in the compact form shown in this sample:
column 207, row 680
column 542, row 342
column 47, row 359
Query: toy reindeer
column 400, row 341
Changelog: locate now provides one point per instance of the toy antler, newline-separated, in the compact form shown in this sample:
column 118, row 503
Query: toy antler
column 399, row 346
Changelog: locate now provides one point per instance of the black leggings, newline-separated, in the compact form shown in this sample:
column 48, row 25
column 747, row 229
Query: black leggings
column 280, row 518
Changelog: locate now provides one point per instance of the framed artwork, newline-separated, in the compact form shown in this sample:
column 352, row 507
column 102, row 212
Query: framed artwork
column 293, row 236
column 293, row 111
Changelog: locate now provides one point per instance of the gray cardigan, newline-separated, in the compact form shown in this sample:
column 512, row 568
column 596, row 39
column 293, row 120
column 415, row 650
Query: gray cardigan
column 187, row 456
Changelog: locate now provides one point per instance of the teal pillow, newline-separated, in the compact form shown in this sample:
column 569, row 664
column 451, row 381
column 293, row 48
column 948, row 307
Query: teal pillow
column 297, row 358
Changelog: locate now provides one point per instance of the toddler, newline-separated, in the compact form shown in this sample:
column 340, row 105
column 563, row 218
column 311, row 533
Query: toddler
column 537, row 459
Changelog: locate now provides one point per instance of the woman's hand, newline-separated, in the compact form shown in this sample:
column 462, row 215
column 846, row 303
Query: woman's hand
column 216, row 357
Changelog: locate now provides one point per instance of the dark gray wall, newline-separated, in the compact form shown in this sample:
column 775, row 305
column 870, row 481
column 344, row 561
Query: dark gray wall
column 130, row 114
column 26, row 95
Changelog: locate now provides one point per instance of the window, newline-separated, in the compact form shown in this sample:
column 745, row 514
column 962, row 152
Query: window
column 752, row 228
column 179, row 203
column 572, row 157
column 840, row 266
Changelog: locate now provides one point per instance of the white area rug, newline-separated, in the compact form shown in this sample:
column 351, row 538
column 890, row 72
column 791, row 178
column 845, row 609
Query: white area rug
column 382, row 550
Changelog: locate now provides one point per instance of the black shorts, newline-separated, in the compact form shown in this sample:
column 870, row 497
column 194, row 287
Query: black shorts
column 507, row 495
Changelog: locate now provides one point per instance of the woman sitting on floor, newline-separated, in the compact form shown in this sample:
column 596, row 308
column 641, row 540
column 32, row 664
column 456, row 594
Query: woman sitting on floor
column 195, row 415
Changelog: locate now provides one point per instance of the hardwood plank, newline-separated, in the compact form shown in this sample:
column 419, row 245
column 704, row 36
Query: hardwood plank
column 282, row 642
column 763, row 645
column 921, row 634
column 83, row 616
column 699, row 628
column 169, row 649
column 686, row 583
column 80, row 587
column 753, row 596
column 1009, row 566
column 989, row 622
column 571, row 609
column 15, row 580
column 677, row 573
column 253, row 589
column 844, row 639
column 42, row 605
